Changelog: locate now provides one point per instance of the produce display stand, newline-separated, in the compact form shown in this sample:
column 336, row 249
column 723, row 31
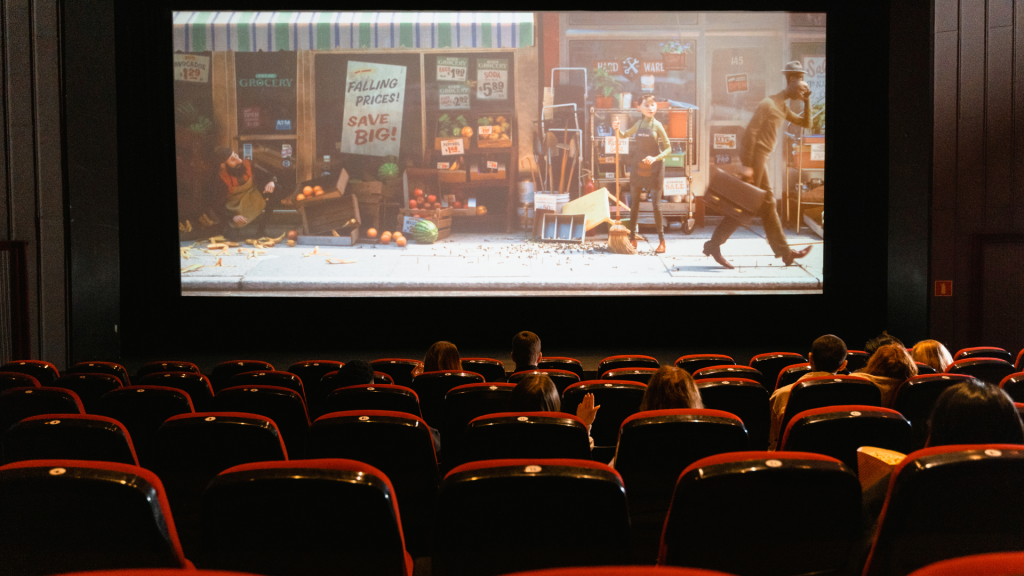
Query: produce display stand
column 441, row 217
column 803, row 160
column 328, row 211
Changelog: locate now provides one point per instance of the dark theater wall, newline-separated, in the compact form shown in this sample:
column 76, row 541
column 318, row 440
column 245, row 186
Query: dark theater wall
column 977, row 204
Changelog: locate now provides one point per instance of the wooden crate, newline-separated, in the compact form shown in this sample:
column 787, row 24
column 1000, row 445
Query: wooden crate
column 805, row 152
column 322, row 214
column 441, row 217
column 425, row 179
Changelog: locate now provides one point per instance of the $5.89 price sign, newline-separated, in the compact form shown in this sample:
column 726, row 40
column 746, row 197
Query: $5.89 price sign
column 491, row 79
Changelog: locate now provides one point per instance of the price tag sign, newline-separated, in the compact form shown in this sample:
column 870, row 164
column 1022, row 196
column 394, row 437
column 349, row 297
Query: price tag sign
column 609, row 145
column 451, row 69
column 191, row 68
column 491, row 79
column 492, row 165
column 443, row 165
column 818, row 152
column 673, row 186
column 452, row 147
column 484, row 130
column 454, row 97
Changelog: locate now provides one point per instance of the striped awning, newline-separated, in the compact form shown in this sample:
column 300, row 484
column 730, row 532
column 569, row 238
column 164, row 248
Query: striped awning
column 271, row 31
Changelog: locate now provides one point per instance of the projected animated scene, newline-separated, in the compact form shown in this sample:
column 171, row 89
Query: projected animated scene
column 449, row 153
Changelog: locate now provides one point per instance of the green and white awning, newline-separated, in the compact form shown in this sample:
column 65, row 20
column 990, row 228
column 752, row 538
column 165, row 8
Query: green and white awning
column 272, row 31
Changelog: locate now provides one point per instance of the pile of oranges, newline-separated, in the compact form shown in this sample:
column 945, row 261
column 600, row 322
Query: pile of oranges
column 309, row 192
column 386, row 237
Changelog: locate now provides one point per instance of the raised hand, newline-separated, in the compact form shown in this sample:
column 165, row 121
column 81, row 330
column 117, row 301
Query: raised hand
column 586, row 411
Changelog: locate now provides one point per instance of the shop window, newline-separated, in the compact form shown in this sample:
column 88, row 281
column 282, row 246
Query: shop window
column 620, row 19
column 266, row 92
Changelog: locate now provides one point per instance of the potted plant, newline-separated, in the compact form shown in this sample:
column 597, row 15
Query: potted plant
column 605, row 85
column 674, row 54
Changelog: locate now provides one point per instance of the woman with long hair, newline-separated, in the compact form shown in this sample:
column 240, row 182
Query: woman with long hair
column 932, row 353
column 974, row 413
column 888, row 367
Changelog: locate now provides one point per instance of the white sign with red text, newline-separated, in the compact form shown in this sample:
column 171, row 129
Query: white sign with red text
column 491, row 79
column 452, row 69
column 453, row 97
column 191, row 68
column 374, row 99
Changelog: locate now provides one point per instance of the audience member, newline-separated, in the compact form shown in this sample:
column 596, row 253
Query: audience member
column 974, row 412
column 354, row 373
column 932, row 353
column 669, row 388
column 888, row 367
column 871, row 346
column 525, row 351
column 442, row 356
column 827, row 357
column 538, row 394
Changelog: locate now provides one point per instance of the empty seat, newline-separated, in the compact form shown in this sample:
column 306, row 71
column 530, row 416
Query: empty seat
column 994, row 564
column 220, row 377
column 464, row 403
column 771, row 363
column 17, row 404
column 373, row 397
column 68, row 437
column 766, row 513
column 89, row 387
column 269, row 378
column 142, row 409
column 179, row 572
column 856, row 359
column 431, row 388
column 791, row 374
column 285, row 407
column 950, row 501
column 382, row 378
column 112, row 368
column 191, row 449
column 627, row 361
column 492, row 370
column 400, row 369
column 916, row 397
column 654, row 448
column 304, row 517
column 991, row 370
column 496, row 517
column 639, row 375
column 599, row 571
column 561, row 363
column 194, row 384
column 983, row 352
column 525, row 435
column 838, row 431
column 1019, row 363
column 693, row 362
column 1014, row 386
column 311, row 372
column 923, row 368
column 66, row 515
column 728, row 371
column 745, row 398
column 166, row 366
column 10, row 380
column 397, row 444
column 618, row 400
column 824, row 391
column 562, row 379
column 44, row 372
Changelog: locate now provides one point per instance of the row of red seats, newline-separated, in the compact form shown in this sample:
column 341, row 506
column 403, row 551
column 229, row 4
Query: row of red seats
column 501, row 516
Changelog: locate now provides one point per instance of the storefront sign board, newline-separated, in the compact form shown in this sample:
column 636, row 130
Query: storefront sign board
column 374, row 99
column 612, row 66
column 452, row 69
column 653, row 67
column 492, row 79
column 191, row 68
column 453, row 97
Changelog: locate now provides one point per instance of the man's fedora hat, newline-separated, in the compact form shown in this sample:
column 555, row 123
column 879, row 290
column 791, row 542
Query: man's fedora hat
column 794, row 67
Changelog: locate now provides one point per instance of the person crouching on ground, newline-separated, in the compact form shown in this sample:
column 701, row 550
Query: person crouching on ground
column 238, row 198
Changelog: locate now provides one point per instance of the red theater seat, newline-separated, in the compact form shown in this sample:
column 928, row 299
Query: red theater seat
column 311, row 372
column 399, row 369
column 729, row 371
column 525, row 435
column 269, row 378
column 949, row 501
column 111, row 368
column 44, row 372
column 464, row 403
column 838, row 431
column 561, row 363
column 983, row 352
column 823, row 391
column 562, row 379
column 89, row 387
column 166, row 572
column 1014, row 386
column 142, row 409
column 282, row 405
column 194, row 384
column 1019, row 363
column 770, row 513
column 654, row 448
column 397, row 444
column 991, row 370
column 693, row 362
column 492, row 370
column 746, row 399
column 618, row 400
column 611, row 571
column 17, row 404
column 627, row 361
column 916, row 397
column 220, row 377
column 10, row 380
column 68, row 437
column 856, row 359
column 498, row 516
column 373, row 397
column 431, row 388
column 73, row 515
column 791, row 374
column 995, row 564
column 923, row 368
column 382, row 378
column 639, row 375
column 324, row 516
column 770, row 364
column 166, row 366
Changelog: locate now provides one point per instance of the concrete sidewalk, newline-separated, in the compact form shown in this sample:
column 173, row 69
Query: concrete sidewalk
column 508, row 264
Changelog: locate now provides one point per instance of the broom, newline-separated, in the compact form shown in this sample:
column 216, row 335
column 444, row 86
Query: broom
column 618, row 235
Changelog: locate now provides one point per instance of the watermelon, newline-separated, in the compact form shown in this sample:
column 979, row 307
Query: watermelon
column 424, row 232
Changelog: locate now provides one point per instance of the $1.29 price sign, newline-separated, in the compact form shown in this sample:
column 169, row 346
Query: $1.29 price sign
column 491, row 79
column 452, row 147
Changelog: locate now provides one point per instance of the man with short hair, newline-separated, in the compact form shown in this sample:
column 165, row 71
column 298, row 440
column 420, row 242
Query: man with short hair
column 827, row 357
column 525, row 351
column 237, row 198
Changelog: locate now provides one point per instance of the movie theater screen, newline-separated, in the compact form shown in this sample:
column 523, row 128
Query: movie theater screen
column 443, row 153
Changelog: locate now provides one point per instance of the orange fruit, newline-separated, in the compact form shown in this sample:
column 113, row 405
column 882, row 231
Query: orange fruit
column 307, row 189
column 300, row 197
column 431, row 198
column 318, row 193
column 412, row 204
column 292, row 234
column 417, row 193
column 371, row 233
column 385, row 238
column 401, row 241
column 397, row 234
column 315, row 188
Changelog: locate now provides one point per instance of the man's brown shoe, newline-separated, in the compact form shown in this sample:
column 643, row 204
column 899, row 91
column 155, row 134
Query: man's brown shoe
column 716, row 253
column 661, row 247
column 794, row 254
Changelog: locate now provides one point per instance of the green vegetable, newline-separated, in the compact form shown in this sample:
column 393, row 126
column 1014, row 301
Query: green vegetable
column 424, row 232
column 387, row 170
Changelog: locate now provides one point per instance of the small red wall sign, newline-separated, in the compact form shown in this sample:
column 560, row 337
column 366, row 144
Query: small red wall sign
column 943, row 287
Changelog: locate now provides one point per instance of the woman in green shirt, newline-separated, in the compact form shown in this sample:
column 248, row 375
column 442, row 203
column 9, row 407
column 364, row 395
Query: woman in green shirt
column 648, row 171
